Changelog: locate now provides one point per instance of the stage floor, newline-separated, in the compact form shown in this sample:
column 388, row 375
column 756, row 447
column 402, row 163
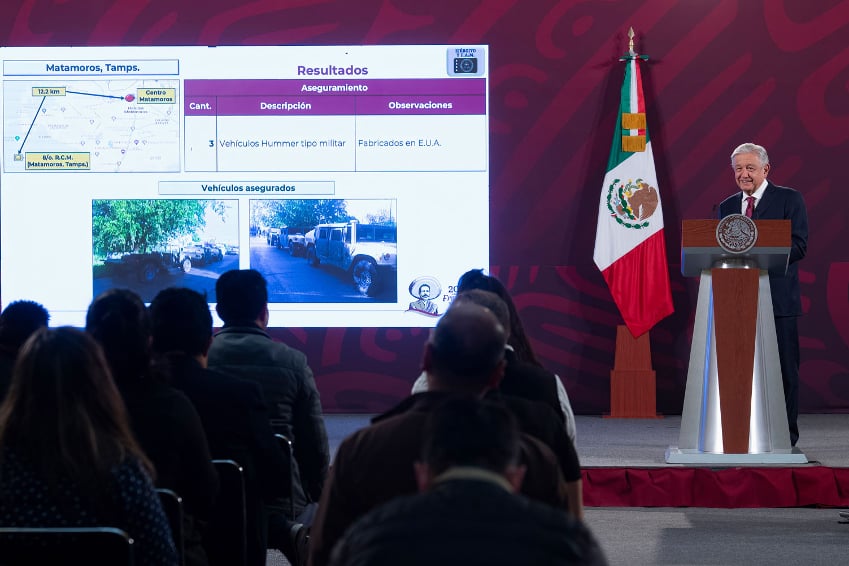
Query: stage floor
column 601, row 442
column 629, row 455
column 618, row 443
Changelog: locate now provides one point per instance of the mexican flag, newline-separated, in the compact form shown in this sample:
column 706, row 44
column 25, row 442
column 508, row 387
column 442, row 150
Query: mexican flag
column 629, row 247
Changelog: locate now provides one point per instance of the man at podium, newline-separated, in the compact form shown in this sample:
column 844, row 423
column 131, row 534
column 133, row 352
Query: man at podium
column 760, row 199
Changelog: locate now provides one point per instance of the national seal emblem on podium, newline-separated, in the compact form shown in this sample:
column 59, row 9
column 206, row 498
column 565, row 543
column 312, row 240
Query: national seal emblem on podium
column 736, row 233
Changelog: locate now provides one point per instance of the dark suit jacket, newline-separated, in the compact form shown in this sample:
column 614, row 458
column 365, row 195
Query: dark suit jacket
column 531, row 382
column 780, row 203
column 375, row 464
column 235, row 420
column 170, row 432
column 467, row 521
column 7, row 364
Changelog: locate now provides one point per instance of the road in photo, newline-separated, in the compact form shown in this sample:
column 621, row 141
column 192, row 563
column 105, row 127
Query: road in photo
column 201, row 279
column 292, row 279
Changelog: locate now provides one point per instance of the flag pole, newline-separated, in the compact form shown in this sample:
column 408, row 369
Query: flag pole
column 633, row 384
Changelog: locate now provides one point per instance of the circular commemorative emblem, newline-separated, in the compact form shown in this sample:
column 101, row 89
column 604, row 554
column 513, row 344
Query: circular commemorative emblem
column 736, row 233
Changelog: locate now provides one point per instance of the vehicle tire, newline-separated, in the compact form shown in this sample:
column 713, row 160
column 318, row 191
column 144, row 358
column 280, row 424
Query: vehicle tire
column 186, row 265
column 312, row 258
column 147, row 272
column 364, row 274
column 292, row 251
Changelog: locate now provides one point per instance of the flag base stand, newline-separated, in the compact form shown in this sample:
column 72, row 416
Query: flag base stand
column 633, row 388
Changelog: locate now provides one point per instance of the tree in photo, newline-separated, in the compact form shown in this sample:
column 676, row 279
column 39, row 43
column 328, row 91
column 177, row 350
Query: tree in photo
column 298, row 213
column 141, row 226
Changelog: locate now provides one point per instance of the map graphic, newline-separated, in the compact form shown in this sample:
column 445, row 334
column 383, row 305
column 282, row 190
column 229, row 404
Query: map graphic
column 94, row 126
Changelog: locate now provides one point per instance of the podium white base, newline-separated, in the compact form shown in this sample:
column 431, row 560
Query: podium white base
column 674, row 455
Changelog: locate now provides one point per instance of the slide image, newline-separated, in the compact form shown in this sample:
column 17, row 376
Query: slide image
column 148, row 245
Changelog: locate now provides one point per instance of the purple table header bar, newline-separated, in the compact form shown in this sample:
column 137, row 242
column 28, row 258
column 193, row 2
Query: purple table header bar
column 391, row 105
column 284, row 106
column 333, row 87
column 333, row 105
column 200, row 106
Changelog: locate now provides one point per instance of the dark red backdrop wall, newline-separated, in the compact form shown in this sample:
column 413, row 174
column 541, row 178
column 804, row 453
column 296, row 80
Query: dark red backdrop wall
column 721, row 72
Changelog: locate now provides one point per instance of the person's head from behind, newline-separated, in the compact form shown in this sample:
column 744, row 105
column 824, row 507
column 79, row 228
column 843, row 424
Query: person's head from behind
column 119, row 321
column 63, row 411
column 18, row 321
column 518, row 340
column 488, row 300
column 242, row 298
column 180, row 322
column 469, row 433
column 465, row 352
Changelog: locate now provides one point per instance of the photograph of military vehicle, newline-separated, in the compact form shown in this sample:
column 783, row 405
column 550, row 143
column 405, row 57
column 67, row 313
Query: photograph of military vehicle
column 272, row 236
column 296, row 243
column 352, row 242
column 288, row 238
column 367, row 253
column 145, row 267
column 147, row 245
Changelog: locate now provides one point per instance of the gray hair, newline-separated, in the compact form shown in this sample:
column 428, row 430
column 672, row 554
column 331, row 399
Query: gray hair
column 749, row 147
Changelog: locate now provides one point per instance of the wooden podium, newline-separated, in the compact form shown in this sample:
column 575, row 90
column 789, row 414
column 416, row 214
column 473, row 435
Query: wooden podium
column 734, row 410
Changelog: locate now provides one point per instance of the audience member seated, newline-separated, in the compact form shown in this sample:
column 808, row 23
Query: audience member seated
column 67, row 456
column 525, row 376
column 163, row 419
column 232, row 410
column 535, row 416
column 244, row 349
column 467, row 511
column 464, row 357
column 18, row 321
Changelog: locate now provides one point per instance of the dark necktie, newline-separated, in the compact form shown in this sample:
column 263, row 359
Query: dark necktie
column 750, row 206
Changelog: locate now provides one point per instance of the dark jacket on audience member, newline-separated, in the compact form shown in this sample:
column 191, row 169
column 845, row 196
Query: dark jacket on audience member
column 535, row 419
column 466, row 521
column 531, row 382
column 170, row 433
column 542, row 422
column 375, row 464
column 7, row 363
column 235, row 419
column 290, row 393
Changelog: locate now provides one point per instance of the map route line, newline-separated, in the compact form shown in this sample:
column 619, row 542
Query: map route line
column 42, row 104
column 93, row 94
column 31, row 124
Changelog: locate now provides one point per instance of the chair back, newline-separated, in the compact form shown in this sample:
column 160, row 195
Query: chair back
column 172, row 505
column 93, row 546
column 225, row 539
column 279, row 426
column 289, row 479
